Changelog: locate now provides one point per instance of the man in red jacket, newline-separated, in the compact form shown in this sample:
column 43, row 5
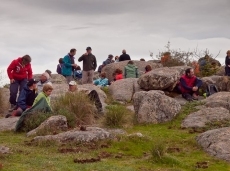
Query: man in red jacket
column 189, row 85
column 19, row 71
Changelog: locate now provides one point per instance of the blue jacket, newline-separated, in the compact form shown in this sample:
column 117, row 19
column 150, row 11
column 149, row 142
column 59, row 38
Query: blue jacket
column 67, row 66
column 26, row 98
column 101, row 82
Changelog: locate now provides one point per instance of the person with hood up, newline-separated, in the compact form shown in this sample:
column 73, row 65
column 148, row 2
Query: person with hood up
column 131, row 71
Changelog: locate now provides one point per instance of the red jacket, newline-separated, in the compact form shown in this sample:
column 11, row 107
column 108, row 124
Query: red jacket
column 187, row 83
column 18, row 72
column 119, row 76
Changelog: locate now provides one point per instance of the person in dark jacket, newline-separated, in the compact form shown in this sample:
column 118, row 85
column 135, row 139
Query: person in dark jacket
column 59, row 66
column 109, row 60
column 189, row 85
column 124, row 56
column 25, row 99
column 69, row 65
column 227, row 64
column 89, row 66
column 18, row 72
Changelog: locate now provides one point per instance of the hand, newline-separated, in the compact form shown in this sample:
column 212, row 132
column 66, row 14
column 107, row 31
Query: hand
column 228, row 65
column 74, row 65
column 86, row 54
column 12, row 81
column 195, row 88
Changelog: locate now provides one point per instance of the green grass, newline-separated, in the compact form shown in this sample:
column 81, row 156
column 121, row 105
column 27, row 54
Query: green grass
column 128, row 153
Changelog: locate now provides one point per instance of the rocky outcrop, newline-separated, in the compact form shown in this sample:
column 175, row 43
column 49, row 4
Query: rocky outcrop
column 221, row 71
column 76, row 136
column 221, row 82
column 110, row 68
column 201, row 118
column 4, row 150
column 123, row 90
column 8, row 124
column 216, row 142
column 164, row 78
column 154, row 107
column 53, row 124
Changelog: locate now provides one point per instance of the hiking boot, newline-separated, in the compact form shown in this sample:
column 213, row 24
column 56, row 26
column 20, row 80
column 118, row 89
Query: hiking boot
column 194, row 97
column 188, row 97
column 12, row 107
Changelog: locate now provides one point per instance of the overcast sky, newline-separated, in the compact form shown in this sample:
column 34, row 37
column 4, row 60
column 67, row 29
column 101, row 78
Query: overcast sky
column 48, row 29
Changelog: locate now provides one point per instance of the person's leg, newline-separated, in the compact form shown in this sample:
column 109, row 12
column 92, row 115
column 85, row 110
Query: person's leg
column 22, row 83
column 90, row 76
column 13, row 92
column 187, row 96
column 93, row 95
column 84, row 77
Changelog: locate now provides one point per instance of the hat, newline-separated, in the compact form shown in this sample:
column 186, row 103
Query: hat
column 46, row 75
column 72, row 83
column 49, row 72
column 32, row 81
column 110, row 55
column 88, row 48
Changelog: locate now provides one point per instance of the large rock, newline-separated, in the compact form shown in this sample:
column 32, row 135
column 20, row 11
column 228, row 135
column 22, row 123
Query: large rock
column 110, row 68
column 53, row 124
column 4, row 150
column 161, row 78
column 221, row 82
column 201, row 118
column 123, row 90
column 8, row 124
column 221, row 71
column 216, row 142
column 154, row 107
column 75, row 136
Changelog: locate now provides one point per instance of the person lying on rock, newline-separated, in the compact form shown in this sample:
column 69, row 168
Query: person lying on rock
column 102, row 81
column 44, row 79
column 25, row 99
column 93, row 95
column 189, row 85
column 131, row 71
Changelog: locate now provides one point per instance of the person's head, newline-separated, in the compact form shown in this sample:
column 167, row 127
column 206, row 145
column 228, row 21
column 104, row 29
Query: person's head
column 118, row 71
column 72, row 86
column 116, row 58
column 49, row 72
column 89, row 50
column 47, row 89
column 103, row 75
column 110, row 56
column 142, row 59
column 60, row 60
column 124, row 51
column 189, row 72
column 228, row 53
column 72, row 52
column 26, row 59
column 44, row 77
column 32, row 83
column 78, row 68
column 148, row 68
column 131, row 62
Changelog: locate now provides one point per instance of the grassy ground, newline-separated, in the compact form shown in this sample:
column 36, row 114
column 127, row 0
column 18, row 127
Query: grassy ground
column 164, row 147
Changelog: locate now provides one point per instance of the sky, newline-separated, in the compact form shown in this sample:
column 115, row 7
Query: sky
column 48, row 29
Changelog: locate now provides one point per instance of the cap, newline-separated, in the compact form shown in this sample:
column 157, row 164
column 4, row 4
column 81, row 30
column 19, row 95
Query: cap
column 49, row 72
column 32, row 81
column 72, row 83
column 88, row 48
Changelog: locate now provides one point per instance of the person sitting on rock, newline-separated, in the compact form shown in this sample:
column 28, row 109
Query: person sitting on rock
column 102, row 81
column 189, row 85
column 109, row 60
column 124, row 56
column 26, row 98
column 227, row 64
column 59, row 66
column 45, row 94
column 116, row 58
column 93, row 95
column 118, row 74
column 148, row 68
column 44, row 79
column 131, row 71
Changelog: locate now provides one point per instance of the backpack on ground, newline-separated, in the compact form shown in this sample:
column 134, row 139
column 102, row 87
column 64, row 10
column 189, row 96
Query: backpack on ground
column 211, row 89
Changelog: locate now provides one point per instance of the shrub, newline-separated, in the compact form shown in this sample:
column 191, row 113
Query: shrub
column 77, row 108
column 115, row 115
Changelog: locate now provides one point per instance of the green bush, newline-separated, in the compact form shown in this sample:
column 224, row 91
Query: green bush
column 77, row 107
column 115, row 115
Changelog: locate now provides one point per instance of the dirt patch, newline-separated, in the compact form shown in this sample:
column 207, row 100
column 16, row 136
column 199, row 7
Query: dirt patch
column 173, row 150
column 203, row 165
column 104, row 155
column 71, row 150
column 89, row 160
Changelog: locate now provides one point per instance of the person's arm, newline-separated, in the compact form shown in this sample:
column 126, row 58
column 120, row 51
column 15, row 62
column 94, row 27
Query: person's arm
column 67, row 62
column 95, row 63
column 22, row 100
column 10, row 69
column 184, row 85
column 30, row 72
column 81, row 58
column 39, row 96
column 137, row 74
column 198, row 82
column 120, row 58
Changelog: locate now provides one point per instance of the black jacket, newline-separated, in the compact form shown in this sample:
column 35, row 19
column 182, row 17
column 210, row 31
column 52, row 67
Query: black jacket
column 124, row 57
column 227, row 61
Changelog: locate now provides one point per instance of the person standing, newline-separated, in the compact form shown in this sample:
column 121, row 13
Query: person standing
column 69, row 65
column 227, row 64
column 59, row 66
column 89, row 66
column 19, row 71
column 124, row 56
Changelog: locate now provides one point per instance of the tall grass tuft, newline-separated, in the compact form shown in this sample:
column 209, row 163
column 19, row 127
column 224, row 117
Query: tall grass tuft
column 77, row 107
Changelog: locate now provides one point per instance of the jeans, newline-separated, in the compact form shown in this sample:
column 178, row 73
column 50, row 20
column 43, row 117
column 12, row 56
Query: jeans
column 17, row 84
